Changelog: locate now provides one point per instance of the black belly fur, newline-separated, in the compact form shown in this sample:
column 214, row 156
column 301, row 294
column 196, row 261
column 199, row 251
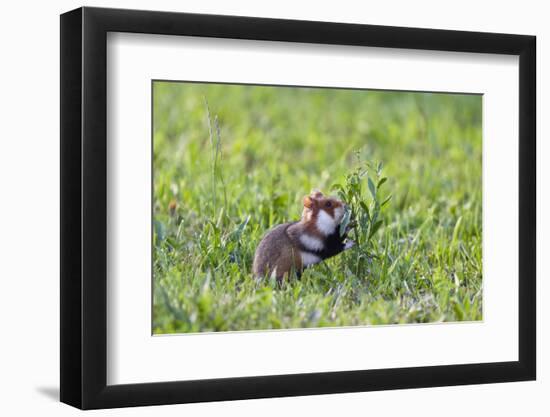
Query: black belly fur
column 334, row 244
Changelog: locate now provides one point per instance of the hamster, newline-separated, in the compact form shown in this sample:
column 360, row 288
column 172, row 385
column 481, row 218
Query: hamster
column 298, row 245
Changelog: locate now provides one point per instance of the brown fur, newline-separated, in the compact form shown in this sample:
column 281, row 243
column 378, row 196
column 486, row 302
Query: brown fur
column 277, row 252
column 313, row 204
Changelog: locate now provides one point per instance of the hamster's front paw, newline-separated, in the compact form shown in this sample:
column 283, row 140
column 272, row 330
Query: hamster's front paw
column 349, row 244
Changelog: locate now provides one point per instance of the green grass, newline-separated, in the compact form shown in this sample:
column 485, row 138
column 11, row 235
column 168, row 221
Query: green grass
column 230, row 162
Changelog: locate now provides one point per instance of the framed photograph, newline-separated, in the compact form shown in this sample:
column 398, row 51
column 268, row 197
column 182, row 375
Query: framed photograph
column 257, row 208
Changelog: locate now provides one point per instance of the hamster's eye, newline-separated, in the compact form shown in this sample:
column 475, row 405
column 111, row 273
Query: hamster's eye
column 328, row 204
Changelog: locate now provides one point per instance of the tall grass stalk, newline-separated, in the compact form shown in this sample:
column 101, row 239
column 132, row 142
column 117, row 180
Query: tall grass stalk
column 215, row 160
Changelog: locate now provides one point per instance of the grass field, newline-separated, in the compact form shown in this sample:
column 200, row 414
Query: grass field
column 230, row 162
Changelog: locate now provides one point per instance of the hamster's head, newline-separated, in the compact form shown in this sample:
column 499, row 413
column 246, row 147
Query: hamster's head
column 325, row 212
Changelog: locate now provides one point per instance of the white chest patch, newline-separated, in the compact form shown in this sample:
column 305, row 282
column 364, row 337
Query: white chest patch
column 325, row 223
column 311, row 242
column 309, row 259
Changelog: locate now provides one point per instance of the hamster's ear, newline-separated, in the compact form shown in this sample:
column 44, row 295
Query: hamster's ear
column 316, row 194
column 308, row 202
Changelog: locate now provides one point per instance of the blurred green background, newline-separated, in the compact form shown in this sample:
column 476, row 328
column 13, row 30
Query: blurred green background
column 231, row 161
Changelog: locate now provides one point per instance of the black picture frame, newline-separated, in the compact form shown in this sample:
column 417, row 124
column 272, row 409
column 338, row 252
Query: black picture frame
column 84, row 207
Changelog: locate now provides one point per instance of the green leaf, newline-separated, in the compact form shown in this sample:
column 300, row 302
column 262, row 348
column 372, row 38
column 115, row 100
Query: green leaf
column 372, row 188
column 459, row 311
column 239, row 230
column 345, row 221
column 386, row 201
column 365, row 208
column 455, row 231
column 375, row 227
column 160, row 231
column 382, row 181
